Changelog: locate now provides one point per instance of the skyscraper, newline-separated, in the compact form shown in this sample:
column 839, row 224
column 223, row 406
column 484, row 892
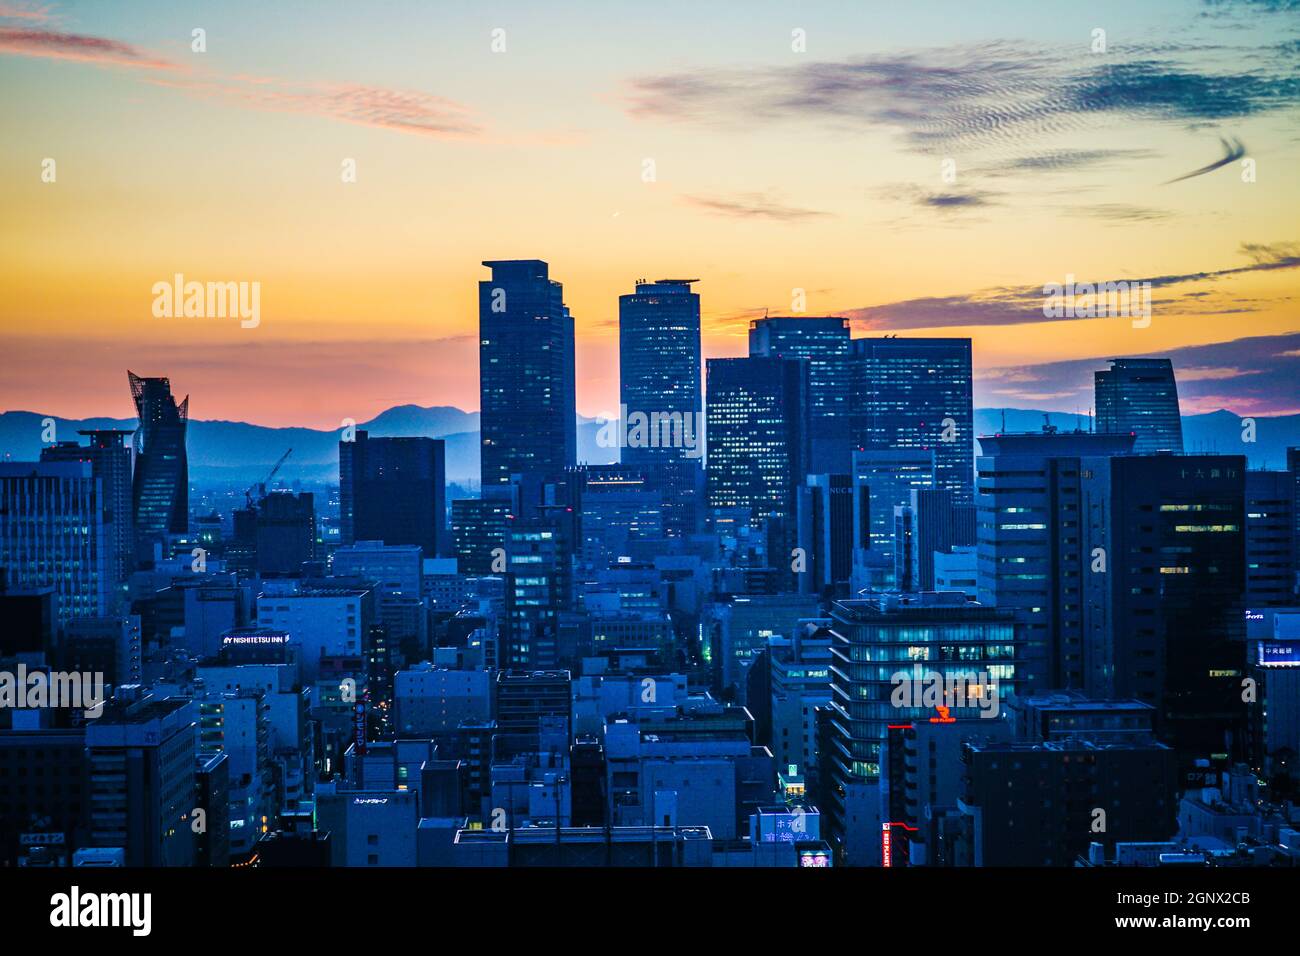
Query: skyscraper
column 1140, row 396
column 883, row 479
column 528, row 416
column 161, row 486
column 274, row 535
column 659, row 363
column 916, row 393
column 1033, row 557
column 1270, row 558
column 1172, row 528
column 758, row 441
column 110, row 461
column 54, row 533
column 478, row 527
column 823, row 342
column 539, row 584
column 393, row 490
column 877, row 646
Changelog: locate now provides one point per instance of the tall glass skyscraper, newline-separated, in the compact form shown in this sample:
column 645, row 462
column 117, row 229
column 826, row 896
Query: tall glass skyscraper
column 528, row 416
column 659, row 362
column 1140, row 396
column 111, row 461
column 160, row 488
column 916, row 393
column 758, row 435
column 758, row 444
column 55, row 532
column 824, row 343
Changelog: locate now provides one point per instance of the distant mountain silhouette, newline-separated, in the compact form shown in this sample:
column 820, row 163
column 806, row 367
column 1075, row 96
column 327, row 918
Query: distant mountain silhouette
column 1211, row 433
column 240, row 453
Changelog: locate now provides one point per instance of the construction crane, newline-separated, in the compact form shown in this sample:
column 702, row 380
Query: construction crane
column 261, row 486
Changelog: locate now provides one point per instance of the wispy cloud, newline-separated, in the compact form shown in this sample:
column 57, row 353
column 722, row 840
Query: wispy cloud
column 406, row 111
column 753, row 206
column 1061, row 161
column 1006, row 305
column 55, row 45
column 28, row 12
column 1113, row 212
column 987, row 95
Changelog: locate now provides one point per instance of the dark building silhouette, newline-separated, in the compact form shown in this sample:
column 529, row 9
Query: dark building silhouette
column 1270, row 546
column 160, row 489
column 659, row 365
column 823, row 342
column 393, row 490
column 275, row 535
column 1165, row 623
column 523, row 698
column 825, row 521
column 528, row 416
column 1134, row 783
column 1140, row 396
column 916, row 393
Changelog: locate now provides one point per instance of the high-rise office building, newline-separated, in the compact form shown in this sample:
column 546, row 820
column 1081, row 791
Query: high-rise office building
column 823, row 342
column 1172, row 599
column 1032, row 552
column 54, row 533
column 883, row 479
column 894, row 642
column 825, row 521
column 1270, row 528
column 161, row 486
column 676, row 487
column 522, row 699
column 1140, row 396
column 924, row 526
column 393, row 490
column 478, row 528
column 916, row 393
column 275, row 535
column 539, row 586
column 659, row 367
column 758, row 441
column 528, row 416
column 1045, row 819
column 110, row 459
column 140, row 766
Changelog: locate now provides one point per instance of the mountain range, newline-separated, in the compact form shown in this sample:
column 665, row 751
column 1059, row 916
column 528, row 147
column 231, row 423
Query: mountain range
column 238, row 453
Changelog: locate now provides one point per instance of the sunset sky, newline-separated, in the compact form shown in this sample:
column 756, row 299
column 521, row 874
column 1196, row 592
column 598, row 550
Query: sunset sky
column 774, row 169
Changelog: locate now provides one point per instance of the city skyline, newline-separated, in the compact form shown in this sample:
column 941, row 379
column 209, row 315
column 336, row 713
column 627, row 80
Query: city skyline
column 799, row 163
